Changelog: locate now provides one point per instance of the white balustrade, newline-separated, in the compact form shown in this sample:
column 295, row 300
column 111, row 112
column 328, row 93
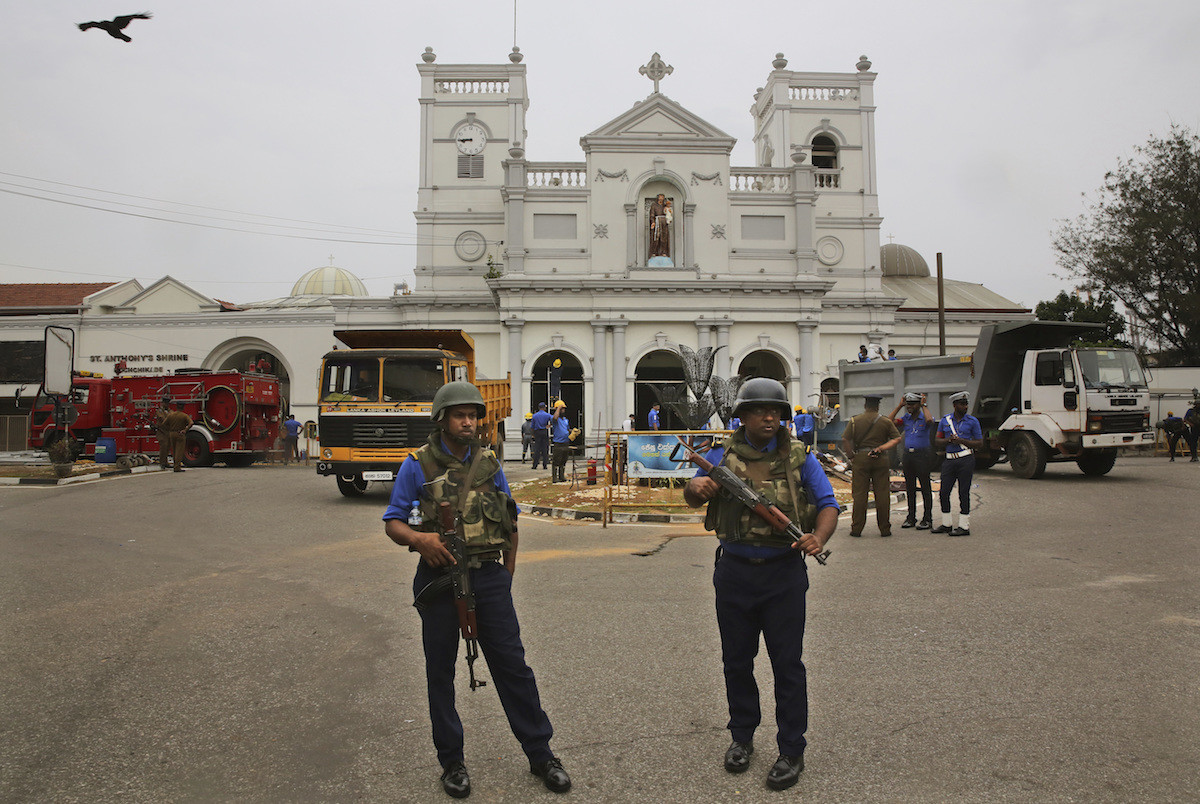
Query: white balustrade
column 828, row 179
column 470, row 87
column 822, row 93
column 571, row 176
column 759, row 181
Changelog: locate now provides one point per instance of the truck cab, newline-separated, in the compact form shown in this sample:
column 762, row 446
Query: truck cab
column 1082, row 404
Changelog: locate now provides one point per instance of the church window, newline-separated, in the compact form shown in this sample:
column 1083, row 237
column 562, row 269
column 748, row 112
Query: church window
column 470, row 167
column 824, row 152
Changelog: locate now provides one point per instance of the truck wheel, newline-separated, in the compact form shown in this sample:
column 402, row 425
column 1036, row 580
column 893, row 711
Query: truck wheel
column 352, row 485
column 1027, row 453
column 1097, row 461
column 196, row 451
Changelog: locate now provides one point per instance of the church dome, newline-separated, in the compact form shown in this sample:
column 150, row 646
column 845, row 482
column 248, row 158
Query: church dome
column 898, row 260
column 329, row 280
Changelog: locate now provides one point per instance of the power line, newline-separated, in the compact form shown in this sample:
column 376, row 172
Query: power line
column 185, row 204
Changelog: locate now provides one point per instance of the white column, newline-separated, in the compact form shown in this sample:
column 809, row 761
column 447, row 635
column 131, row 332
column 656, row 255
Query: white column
column 512, row 428
column 809, row 363
column 599, row 378
column 724, row 364
column 621, row 404
column 703, row 333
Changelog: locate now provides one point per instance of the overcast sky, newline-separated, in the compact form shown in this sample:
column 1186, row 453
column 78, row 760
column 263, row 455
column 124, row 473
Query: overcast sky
column 993, row 118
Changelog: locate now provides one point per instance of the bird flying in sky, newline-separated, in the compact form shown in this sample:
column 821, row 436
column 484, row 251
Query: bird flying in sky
column 116, row 25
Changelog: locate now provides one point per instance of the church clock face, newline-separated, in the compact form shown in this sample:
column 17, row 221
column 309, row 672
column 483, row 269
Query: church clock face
column 470, row 139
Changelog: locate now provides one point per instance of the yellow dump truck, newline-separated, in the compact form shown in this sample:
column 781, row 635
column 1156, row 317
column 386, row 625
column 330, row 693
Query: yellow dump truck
column 375, row 400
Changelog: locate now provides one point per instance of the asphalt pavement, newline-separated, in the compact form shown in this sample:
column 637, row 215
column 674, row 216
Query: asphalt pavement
column 247, row 635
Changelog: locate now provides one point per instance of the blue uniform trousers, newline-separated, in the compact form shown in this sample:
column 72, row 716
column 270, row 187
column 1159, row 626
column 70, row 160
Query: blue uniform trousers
column 541, row 449
column 960, row 471
column 500, row 642
column 765, row 599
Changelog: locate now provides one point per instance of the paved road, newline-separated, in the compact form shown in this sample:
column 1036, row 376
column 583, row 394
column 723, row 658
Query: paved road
column 247, row 635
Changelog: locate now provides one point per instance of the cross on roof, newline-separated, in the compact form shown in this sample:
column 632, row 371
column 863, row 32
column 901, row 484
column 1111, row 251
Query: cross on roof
column 656, row 70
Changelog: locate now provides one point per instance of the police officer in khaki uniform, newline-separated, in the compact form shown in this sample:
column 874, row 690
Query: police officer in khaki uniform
column 175, row 425
column 438, row 472
column 866, row 441
column 760, row 578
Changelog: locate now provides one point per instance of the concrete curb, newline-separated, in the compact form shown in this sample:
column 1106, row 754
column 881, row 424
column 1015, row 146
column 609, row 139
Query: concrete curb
column 45, row 481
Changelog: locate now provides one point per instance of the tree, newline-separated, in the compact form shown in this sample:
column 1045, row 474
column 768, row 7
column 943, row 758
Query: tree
column 1102, row 311
column 1140, row 241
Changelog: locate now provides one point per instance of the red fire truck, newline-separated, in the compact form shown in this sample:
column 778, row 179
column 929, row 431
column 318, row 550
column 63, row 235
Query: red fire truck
column 235, row 415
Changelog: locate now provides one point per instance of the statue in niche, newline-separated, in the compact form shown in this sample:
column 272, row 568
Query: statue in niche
column 662, row 217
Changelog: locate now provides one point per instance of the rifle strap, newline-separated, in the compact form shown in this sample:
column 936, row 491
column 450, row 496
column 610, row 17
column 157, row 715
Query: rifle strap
column 791, row 481
column 462, row 494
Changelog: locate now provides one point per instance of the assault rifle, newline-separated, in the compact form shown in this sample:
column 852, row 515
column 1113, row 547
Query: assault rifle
column 460, row 584
column 754, row 500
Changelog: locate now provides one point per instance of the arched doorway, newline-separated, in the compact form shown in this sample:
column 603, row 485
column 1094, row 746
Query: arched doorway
column 571, row 384
column 660, row 367
column 763, row 363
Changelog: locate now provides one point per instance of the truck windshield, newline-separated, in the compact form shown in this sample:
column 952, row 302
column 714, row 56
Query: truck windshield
column 409, row 380
column 350, row 379
column 1111, row 368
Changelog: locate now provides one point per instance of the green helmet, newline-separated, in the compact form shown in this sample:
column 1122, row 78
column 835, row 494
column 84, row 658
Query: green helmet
column 460, row 392
column 763, row 391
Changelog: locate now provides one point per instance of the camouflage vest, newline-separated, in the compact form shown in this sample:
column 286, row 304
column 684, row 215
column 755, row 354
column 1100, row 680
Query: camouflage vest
column 487, row 522
column 765, row 472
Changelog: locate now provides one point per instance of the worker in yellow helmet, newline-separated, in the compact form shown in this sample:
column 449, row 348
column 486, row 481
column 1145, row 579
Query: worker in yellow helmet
column 526, row 436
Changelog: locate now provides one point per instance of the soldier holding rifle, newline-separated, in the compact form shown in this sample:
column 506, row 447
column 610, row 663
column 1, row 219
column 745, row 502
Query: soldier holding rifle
column 453, row 468
column 760, row 576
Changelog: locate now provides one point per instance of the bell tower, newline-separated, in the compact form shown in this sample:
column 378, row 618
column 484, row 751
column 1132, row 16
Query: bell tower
column 471, row 115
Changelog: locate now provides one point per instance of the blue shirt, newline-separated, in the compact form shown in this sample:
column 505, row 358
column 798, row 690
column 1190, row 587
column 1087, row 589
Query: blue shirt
column 916, row 430
column 540, row 420
column 812, row 479
column 803, row 423
column 293, row 428
column 560, row 432
column 653, row 419
column 966, row 427
column 410, row 483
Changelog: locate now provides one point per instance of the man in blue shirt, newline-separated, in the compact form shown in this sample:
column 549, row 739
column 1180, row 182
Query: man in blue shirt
column 469, row 477
column 960, row 435
column 560, row 438
column 804, row 426
column 1174, row 427
column 760, row 578
column 652, row 418
column 1191, row 433
column 291, row 439
column 917, row 426
column 541, row 436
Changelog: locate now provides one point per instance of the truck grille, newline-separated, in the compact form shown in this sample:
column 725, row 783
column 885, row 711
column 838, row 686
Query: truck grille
column 374, row 432
column 1122, row 422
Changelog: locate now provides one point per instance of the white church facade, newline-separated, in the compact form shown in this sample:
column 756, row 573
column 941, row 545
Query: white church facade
column 779, row 264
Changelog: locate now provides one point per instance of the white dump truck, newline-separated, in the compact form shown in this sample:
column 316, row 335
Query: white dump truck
column 1037, row 399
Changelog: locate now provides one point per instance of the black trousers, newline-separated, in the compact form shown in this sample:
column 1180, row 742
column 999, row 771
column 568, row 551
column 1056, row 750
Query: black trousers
column 559, row 468
column 766, row 600
column 541, row 448
column 957, row 471
column 500, row 642
column 917, row 466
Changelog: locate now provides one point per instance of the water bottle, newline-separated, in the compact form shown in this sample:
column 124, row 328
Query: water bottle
column 415, row 519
